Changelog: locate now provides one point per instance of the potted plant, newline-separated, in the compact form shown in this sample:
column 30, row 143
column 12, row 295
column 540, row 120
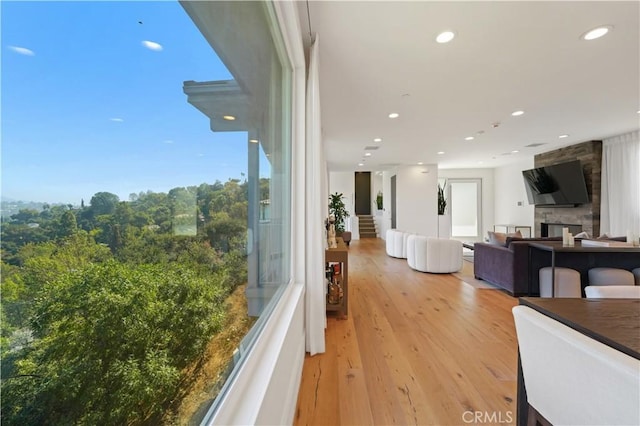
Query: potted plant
column 444, row 220
column 339, row 211
column 442, row 201
column 379, row 200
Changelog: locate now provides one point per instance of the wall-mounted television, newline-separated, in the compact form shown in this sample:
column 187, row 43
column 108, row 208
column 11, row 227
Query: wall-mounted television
column 561, row 184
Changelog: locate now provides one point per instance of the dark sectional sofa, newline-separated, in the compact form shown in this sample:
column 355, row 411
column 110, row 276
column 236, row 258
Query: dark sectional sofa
column 508, row 267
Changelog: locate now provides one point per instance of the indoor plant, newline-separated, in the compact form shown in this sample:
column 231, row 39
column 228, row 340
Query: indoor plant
column 339, row 211
column 379, row 200
column 442, row 202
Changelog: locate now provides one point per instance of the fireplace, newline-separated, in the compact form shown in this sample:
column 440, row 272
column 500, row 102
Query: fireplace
column 555, row 229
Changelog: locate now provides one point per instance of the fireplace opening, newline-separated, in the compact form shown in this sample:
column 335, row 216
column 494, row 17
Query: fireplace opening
column 555, row 229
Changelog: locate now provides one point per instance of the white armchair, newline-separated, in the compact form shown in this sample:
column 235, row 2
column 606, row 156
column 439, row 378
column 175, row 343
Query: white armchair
column 572, row 379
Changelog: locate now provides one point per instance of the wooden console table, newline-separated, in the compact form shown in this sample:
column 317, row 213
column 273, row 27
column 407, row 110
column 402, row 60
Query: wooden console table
column 340, row 254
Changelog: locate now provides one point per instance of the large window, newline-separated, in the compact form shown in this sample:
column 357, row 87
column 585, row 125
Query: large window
column 145, row 204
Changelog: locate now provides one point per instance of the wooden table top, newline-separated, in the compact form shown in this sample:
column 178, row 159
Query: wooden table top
column 614, row 322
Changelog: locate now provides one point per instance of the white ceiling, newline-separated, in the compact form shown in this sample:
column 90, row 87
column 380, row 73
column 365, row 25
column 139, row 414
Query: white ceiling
column 381, row 57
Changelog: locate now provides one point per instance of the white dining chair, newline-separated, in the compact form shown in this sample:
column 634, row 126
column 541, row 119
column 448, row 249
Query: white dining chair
column 572, row 379
column 612, row 292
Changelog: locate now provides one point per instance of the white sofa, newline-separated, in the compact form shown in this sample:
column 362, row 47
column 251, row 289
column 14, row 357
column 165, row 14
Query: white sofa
column 435, row 255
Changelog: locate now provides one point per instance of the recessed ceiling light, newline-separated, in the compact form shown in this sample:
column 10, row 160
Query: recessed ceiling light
column 596, row 32
column 440, row 152
column 480, row 162
column 469, row 138
column 445, row 37
column 253, row 140
column 639, row 111
column 394, row 115
column 515, row 151
column 367, row 154
column 360, row 164
column 563, row 136
column 228, row 117
column 377, row 140
column 517, row 113
column 420, row 163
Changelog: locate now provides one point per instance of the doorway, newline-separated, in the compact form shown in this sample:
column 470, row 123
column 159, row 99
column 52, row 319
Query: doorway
column 465, row 197
column 363, row 193
column 393, row 202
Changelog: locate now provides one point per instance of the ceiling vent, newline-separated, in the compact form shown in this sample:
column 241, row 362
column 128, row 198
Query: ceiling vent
column 533, row 145
column 371, row 148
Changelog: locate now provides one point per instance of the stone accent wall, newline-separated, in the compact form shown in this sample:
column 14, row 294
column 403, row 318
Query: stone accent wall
column 587, row 215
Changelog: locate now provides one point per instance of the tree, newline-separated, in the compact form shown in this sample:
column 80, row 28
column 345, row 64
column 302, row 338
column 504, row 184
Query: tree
column 113, row 342
column 25, row 216
column 104, row 203
column 68, row 225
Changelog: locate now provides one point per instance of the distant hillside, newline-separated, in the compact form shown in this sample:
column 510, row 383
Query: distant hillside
column 9, row 207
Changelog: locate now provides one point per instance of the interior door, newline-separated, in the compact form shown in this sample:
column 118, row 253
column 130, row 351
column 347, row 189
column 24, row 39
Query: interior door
column 393, row 202
column 363, row 193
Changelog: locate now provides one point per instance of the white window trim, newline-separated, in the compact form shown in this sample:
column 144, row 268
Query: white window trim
column 266, row 387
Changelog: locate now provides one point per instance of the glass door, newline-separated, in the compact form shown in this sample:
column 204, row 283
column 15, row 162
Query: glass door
column 465, row 197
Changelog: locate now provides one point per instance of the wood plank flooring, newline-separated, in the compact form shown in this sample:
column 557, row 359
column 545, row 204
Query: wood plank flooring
column 415, row 349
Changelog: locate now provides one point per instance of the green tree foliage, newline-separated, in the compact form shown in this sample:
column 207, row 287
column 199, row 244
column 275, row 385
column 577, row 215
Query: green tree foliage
column 112, row 341
column 103, row 306
column 26, row 216
column 68, row 224
column 103, row 203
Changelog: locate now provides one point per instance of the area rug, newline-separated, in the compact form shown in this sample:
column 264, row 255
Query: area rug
column 466, row 275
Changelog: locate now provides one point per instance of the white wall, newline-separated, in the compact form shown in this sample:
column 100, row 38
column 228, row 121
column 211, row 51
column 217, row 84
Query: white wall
column 417, row 199
column 487, row 176
column 386, row 203
column 376, row 185
column 509, row 192
column 344, row 182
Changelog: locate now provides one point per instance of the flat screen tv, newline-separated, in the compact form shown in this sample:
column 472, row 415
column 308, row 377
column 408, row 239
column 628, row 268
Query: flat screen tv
column 558, row 185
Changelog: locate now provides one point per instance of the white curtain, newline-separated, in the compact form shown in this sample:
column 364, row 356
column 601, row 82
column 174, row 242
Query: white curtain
column 620, row 199
column 315, row 312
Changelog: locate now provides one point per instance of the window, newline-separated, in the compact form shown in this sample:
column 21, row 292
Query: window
column 146, row 204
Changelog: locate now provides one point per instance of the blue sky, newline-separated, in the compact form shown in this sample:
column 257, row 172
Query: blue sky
column 88, row 106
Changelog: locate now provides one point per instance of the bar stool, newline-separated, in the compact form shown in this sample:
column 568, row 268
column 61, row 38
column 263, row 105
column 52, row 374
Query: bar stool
column 567, row 282
column 610, row 276
column 636, row 275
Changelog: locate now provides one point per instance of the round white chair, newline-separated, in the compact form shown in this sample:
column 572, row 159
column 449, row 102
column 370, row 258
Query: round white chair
column 610, row 276
column 434, row 255
column 396, row 243
column 567, row 282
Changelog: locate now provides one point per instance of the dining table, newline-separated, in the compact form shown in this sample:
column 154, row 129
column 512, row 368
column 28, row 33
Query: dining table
column 613, row 322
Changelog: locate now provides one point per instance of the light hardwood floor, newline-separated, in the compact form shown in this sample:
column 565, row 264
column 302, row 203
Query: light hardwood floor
column 415, row 349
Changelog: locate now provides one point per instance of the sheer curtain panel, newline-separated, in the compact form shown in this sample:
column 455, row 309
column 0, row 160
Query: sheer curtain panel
column 620, row 202
column 316, row 320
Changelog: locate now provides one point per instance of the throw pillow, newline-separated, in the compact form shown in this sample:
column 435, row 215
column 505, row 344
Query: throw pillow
column 582, row 235
column 500, row 238
column 497, row 238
